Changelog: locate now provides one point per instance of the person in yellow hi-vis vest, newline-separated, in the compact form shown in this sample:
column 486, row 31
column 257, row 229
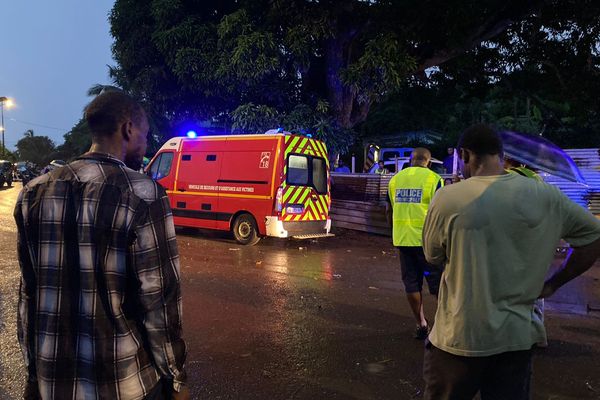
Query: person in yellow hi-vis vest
column 410, row 192
column 513, row 166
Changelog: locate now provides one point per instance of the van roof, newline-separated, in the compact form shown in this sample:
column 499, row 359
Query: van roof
column 245, row 135
column 176, row 141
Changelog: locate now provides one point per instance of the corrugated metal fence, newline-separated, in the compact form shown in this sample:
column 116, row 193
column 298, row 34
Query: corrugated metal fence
column 360, row 200
column 588, row 196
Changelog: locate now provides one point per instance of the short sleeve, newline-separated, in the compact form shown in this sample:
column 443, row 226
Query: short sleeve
column 580, row 227
column 434, row 242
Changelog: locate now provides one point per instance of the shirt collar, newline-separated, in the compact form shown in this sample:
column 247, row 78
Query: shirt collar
column 106, row 157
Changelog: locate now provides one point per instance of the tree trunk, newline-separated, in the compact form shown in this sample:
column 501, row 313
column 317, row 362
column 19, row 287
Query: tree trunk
column 340, row 97
column 346, row 109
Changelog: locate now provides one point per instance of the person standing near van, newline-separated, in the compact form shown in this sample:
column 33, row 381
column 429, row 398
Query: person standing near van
column 381, row 169
column 100, row 300
column 410, row 192
column 342, row 168
column 449, row 161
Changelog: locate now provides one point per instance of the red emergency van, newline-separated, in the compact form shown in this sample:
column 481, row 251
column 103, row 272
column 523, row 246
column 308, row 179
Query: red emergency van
column 252, row 185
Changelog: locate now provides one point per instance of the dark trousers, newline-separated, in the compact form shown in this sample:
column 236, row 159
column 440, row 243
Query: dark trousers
column 162, row 391
column 504, row 376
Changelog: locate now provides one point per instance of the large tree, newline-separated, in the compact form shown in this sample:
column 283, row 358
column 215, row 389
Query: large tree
column 36, row 149
column 540, row 76
column 205, row 60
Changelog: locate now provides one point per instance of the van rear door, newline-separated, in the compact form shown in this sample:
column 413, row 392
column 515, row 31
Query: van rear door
column 306, row 188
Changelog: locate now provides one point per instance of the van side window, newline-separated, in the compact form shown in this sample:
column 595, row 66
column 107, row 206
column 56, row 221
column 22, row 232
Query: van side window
column 319, row 175
column 161, row 167
column 297, row 173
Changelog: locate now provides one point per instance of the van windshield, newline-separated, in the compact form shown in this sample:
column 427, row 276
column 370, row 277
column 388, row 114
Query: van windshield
column 161, row 166
column 307, row 171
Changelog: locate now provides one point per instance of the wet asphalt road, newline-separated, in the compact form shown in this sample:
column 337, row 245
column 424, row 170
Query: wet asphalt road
column 320, row 319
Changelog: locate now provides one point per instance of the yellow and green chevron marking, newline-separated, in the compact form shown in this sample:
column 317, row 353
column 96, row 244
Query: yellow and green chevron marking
column 315, row 209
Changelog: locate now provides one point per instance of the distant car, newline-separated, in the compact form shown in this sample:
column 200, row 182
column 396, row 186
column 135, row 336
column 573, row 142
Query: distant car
column 25, row 171
column 404, row 162
column 6, row 173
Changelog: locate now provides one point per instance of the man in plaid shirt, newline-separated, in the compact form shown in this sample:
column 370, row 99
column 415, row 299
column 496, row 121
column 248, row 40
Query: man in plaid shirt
column 100, row 300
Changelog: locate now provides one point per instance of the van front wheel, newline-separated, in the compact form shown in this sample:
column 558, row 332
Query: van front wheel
column 245, row 230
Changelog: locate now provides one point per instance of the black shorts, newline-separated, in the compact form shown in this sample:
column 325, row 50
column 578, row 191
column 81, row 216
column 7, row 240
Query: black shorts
column 414, row 268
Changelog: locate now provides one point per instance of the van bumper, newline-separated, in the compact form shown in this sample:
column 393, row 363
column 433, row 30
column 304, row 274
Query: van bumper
column 284, row 229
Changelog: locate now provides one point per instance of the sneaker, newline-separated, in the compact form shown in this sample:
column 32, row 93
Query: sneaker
column 421, row 332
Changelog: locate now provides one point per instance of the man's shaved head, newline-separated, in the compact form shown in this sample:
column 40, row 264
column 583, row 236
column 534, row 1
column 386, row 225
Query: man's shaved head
column 420, row 157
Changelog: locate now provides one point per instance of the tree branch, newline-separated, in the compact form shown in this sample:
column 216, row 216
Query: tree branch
column 360, row 112
column 494, row 26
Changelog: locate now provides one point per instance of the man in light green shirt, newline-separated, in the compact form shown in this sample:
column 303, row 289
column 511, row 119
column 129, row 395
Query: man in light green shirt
column 496, row 234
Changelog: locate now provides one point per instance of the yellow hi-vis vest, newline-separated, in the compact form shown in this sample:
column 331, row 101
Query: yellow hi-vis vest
column 526, row 172
column 410, row 192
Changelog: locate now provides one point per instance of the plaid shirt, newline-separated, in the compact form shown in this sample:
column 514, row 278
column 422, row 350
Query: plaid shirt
column 100, row 301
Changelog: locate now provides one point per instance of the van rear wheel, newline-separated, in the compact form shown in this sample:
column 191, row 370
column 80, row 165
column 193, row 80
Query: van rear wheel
column 245, row 230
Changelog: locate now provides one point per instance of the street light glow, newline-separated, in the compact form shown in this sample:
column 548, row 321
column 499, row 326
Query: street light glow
column 8, row 103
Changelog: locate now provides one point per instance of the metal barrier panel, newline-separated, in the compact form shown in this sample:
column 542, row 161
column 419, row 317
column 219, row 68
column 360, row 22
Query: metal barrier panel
column 359, row 201
column 588, row 196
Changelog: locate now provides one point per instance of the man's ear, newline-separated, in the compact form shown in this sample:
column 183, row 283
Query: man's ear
column 464, row 154
column 126, row 128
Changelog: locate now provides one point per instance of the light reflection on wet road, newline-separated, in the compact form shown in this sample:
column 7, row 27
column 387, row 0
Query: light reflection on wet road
column 296, row 319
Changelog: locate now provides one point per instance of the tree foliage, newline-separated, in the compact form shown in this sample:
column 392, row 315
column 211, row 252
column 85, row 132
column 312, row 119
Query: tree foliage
column 540, row 76
column 6, row 154
column 36, row 149
column 221, row 60
column 77, row 141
